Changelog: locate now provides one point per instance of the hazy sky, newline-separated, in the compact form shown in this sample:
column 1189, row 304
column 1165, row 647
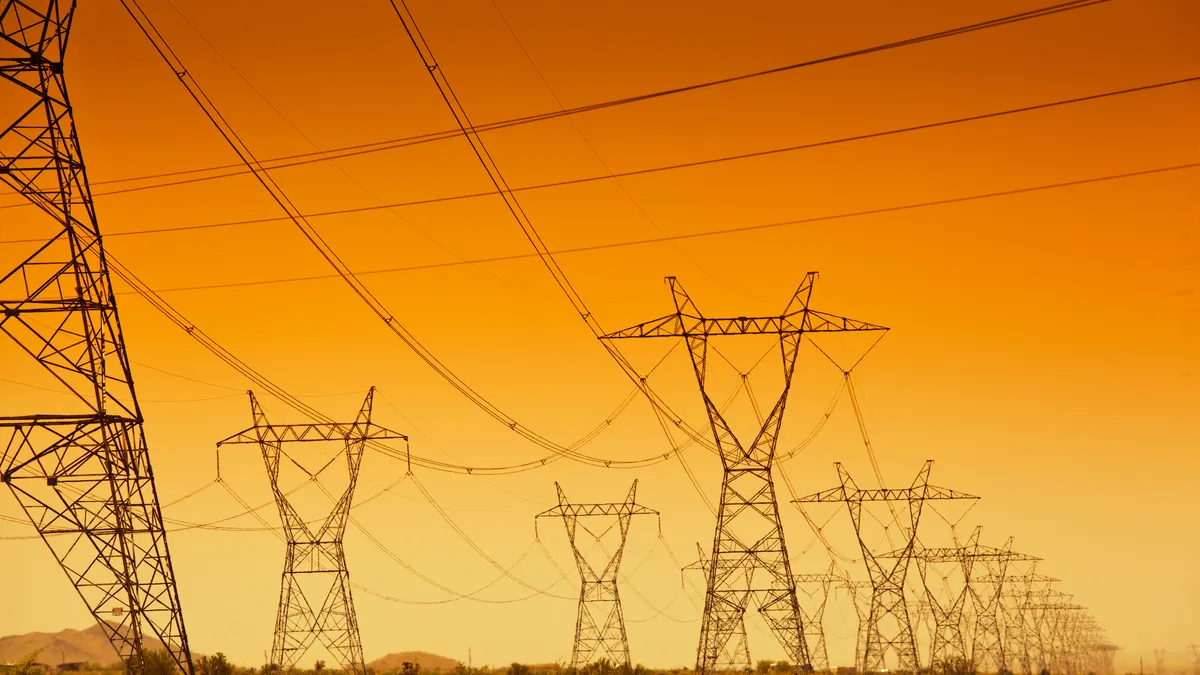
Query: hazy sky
column 1044, row 347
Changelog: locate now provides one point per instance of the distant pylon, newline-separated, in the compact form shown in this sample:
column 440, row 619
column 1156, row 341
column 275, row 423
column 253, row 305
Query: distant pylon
column 317, row 557
column 1022, row 644
column 1160, row 662
column 80, row 467
column 862, row 610
column 1196, row 652
column 599, row 623
column 814, row 614
column 749, row 555
column 889, row 625
column 990, row 648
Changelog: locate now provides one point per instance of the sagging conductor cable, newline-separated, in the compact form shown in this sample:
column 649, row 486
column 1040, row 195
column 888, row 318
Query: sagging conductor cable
column 330, row 256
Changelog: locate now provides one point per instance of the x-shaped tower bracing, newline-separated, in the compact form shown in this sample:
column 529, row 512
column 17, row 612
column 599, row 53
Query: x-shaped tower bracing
column 991, row 650
column 949, row 645
column 862, row 611
column 889, row 626
column 599, row 624
column 1022, row 643
column 315, row 559
column 79, row 466
column 749, row 555
column 814, row 618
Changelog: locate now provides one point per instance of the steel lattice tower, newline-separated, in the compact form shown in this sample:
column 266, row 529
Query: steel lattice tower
column 599, row 623
column 315, row 558
column 81, row 471
column 990, row 649
column 889, row 626
column 749, row 554
column 814, row 620
column 949, row 644
column 1022, row 646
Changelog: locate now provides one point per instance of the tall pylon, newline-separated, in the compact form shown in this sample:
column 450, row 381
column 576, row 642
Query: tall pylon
column 80, row 469
column 749, row 554
column 314, row 559
column 599, row 623
column 1196, row 652
column 1160, row 662
column 889, row 625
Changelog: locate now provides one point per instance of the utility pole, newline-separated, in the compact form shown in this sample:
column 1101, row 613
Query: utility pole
column 599, row 623
column 749, row 555
column 314, row 560
column 80, row 469
column 889, row 626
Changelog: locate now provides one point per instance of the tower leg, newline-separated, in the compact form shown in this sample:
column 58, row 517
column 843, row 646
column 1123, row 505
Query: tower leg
column 749, row 559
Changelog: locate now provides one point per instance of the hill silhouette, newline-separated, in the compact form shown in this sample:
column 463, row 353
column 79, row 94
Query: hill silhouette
column 65, row 646
column 426, row 660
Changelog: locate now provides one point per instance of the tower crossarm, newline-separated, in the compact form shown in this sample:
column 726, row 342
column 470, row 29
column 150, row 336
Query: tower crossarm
column 960, row 554
column 583, row 510
column 1015, row 579
column 300, row 433
column 688, row 325
column 923, row 493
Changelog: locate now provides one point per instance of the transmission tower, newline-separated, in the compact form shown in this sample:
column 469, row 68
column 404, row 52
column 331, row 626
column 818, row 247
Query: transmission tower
column 862, row 610
column 998, row 644
column 80, row 470
column 814, row 620
column 889, row 626
column 1022, row 647
column 1196, row 652
column 599, row 624
column 315, row 561
column 948, row 647
column 949, row 644
column 1160, row 662
column 749, row 554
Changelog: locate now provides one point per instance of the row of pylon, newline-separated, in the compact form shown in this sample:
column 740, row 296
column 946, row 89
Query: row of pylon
column 84, row 478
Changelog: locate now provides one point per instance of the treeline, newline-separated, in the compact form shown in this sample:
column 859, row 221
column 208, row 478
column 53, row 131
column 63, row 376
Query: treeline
column 160, row 662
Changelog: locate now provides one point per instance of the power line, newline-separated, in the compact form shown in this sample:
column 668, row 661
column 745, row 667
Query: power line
column 314, row 238
column 713, row 233
column 298, row 159
column 679, row 165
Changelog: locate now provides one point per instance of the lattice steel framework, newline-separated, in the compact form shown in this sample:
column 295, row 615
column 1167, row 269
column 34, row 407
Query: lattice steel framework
column 814, row 618
column 889, row 626
column 862, row 610
column 1022, row 642
column 81, row 471
column 599, row 623
column 738, row 646
column 990, row 649
column 948, row 647
column 317, row 558
column 749, row 555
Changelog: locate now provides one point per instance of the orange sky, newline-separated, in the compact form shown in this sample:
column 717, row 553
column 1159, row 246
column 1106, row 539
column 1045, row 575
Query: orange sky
column 1044, row 345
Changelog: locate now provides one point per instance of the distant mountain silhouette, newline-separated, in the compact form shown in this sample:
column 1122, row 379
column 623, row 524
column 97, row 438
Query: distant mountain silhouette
column 64, row 646
column 426, row 660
